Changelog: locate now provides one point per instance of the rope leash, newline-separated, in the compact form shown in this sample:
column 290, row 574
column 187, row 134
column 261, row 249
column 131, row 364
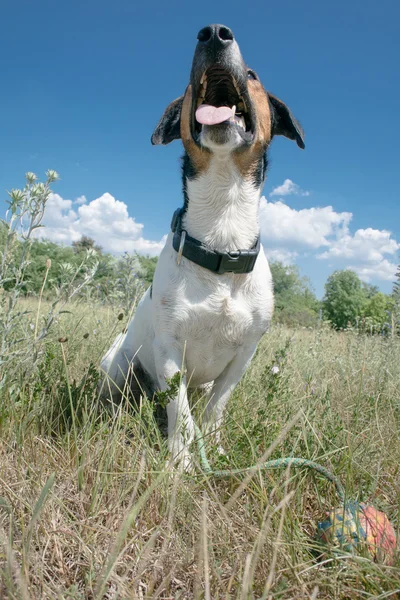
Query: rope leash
column 278, row 463
column 352, row 526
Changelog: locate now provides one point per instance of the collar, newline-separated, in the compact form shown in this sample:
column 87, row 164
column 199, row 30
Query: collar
column 241, row 261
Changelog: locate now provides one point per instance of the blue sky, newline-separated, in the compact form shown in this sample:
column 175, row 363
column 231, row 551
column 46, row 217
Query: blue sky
column 84, row 84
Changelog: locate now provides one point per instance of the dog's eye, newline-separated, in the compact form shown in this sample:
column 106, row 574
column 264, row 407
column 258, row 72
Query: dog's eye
column 251, row 75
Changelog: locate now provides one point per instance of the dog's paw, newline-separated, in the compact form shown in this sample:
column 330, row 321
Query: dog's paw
column 181, row 457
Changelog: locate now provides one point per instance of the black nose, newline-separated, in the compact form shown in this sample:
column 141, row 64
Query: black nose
column 218, row 36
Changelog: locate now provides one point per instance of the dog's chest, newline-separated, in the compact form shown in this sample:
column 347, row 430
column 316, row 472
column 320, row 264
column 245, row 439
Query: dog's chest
column 212, row 318
column 213, row 331
column 217, row 321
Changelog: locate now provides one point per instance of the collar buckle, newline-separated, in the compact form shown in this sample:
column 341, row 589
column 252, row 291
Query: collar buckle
column 242, row 261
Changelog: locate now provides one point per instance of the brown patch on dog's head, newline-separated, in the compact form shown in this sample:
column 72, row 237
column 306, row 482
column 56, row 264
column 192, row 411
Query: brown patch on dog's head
column 271, row 117
column 200, row 157
column 248, row 161
column 262, row 110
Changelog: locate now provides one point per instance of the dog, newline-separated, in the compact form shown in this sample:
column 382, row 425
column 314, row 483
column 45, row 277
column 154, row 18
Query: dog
column 212, row 295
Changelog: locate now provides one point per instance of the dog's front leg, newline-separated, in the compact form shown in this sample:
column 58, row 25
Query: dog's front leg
column 169, row 361
column 223, row 388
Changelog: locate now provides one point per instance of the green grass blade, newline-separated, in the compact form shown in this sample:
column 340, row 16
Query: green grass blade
column 37, row 510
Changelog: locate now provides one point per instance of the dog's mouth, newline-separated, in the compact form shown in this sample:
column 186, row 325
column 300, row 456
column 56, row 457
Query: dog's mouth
column 221, row 101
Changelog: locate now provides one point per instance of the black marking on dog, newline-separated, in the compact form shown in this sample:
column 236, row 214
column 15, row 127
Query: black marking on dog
column 140, row 382
column 284, row 123
column 261, row 170
column 169, row 126
column 188, row 172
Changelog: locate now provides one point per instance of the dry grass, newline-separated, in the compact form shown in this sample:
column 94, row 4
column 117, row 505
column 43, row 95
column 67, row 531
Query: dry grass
column 116, row 523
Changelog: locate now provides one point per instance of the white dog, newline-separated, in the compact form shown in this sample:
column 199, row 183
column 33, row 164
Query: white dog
column 212, row 295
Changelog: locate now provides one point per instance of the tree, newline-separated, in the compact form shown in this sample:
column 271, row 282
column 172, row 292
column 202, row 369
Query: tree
column 369, row 289
column 376, row 309
column 295, row 301
column 344, row 298
column 86, row 243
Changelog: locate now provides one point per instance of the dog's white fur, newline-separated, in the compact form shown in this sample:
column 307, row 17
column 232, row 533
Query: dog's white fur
column 205, row 323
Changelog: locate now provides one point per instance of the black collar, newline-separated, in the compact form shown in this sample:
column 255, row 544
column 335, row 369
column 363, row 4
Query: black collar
column 241, row 261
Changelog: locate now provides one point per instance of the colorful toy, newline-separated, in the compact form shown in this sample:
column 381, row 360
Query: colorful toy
column 357, row 527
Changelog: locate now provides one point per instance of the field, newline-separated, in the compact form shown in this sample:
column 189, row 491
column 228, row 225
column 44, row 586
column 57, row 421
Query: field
column 114, row 521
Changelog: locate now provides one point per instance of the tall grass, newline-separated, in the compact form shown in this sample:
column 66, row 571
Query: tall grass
column 117, row 523
column 21, row 337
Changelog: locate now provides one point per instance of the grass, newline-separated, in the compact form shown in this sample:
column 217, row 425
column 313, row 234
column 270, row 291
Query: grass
column 89, row 509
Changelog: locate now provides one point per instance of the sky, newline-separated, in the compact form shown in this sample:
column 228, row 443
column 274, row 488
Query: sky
column 85, row 82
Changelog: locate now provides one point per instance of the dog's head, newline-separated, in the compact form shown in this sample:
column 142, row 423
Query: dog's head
column 225, row 109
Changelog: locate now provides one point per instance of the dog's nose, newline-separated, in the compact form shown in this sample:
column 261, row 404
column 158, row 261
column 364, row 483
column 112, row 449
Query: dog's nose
column 217, row 36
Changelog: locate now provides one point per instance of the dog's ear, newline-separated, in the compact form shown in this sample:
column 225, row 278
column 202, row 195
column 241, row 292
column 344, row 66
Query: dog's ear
column 169, row 126
column 284, row 123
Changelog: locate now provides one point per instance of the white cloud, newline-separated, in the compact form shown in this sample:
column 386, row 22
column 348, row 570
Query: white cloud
column 366, row 251
column 108, row 217
column 308, row 227
column 289, row 188
column 281, row 255
column 105, row 219
column 59, row 218
column 288, row 233
column 367, row 245
column 81, row 200
column 383, row 270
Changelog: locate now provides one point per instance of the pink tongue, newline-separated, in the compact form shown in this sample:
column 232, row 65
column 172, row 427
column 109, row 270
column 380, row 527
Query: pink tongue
column 212, row 115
